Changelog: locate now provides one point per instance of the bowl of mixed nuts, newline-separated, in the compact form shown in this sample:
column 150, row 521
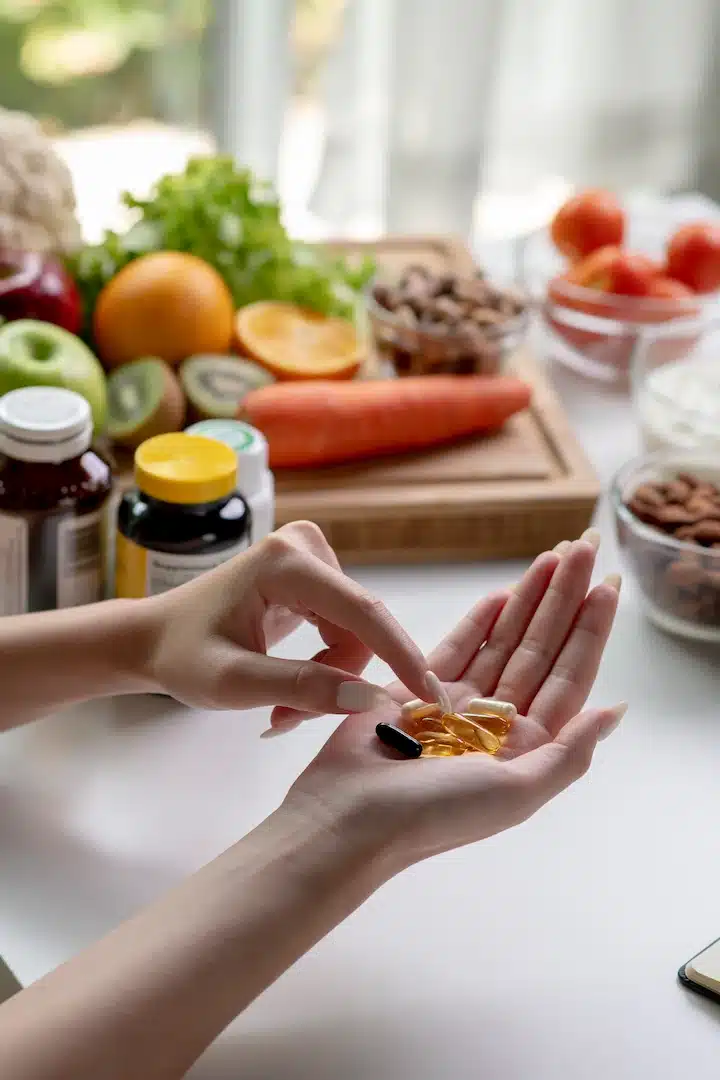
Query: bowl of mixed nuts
column 429, row 323
column 667, row 515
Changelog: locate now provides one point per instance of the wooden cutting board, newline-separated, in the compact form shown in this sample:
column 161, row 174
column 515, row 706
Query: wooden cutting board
column 506, row 496
column 510, row 495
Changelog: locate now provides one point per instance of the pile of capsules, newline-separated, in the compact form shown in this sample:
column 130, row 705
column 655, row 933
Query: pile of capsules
column 436, row 730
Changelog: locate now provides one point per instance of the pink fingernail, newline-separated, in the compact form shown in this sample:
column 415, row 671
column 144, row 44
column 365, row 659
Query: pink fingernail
column 613, row 580
column 280, row 729
column 592, row 536
column 360, row 697
column 617, row 713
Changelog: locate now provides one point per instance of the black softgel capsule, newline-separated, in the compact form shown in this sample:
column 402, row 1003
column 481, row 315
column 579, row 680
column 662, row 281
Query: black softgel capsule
column 399, row 740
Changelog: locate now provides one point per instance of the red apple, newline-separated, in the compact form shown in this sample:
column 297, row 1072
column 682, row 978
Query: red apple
column 34, row 286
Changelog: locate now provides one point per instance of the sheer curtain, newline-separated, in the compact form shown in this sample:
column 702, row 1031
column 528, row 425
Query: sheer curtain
column 428, row 102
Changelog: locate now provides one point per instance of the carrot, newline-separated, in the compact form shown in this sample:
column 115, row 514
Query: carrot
column 324, row 423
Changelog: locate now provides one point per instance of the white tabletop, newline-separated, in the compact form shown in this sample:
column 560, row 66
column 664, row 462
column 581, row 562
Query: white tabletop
column 547, row 952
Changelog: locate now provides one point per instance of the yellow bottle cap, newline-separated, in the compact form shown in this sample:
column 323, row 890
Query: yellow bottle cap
column 187, row 469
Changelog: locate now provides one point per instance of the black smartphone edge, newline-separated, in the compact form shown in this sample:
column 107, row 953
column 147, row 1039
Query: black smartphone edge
column 704, row 991
column 9, row 983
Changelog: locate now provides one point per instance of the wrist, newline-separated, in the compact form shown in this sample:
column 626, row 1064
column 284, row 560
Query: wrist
column 348, row 835
column 130, row 642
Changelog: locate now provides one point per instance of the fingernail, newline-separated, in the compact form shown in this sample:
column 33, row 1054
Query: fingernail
column 592, row 536
column 614, row 581
column 280, row 729
column 437, row 691
column 616, row 713
column 562, row 547
column 360, row 697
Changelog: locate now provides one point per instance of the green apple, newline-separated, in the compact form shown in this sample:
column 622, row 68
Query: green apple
column 34, row 353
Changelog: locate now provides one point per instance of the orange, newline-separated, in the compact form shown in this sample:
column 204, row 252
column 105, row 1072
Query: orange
column 168, row 304
column 294, row 343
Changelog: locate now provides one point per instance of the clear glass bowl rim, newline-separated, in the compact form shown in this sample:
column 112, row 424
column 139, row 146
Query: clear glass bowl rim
column 684, row 314
column 683, row 461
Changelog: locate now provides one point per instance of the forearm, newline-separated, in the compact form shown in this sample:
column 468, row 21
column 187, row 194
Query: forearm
column 53, row 659
column 146, row 1001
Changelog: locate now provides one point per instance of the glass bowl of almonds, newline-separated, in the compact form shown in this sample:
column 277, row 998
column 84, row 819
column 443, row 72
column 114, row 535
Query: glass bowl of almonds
column 667, row 514
column 429, row 323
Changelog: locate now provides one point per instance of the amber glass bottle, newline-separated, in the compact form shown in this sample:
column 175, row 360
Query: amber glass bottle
column 53, row 494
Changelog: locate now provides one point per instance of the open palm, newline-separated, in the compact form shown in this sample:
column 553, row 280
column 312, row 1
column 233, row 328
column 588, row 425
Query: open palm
column 539, row 646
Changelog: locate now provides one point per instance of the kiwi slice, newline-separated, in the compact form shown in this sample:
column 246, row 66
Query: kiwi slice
column 216, row 385
column 144, row 399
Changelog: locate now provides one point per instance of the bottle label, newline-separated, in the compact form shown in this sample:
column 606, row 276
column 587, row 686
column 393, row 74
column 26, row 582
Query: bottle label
column 140, row 572
column 80, row 560
column 13, row 565
column 49, row 561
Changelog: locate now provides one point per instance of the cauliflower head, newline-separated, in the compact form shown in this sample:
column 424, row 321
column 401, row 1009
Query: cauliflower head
column 37, row 199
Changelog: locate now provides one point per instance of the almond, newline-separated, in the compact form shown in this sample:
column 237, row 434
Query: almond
column 677, row 491
column 649, row 494
column 672, row 514
column 706, row 532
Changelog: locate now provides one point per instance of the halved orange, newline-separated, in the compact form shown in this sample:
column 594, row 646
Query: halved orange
column 294, row 343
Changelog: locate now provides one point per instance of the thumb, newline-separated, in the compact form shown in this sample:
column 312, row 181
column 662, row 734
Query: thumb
column 304, row 685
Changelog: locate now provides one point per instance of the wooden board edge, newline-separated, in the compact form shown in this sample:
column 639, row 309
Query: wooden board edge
column 518, row 545
column 452, row 501
column 462, row 257
column 552, row 418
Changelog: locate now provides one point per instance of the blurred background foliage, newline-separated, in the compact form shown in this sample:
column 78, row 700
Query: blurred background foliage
column 77, row 63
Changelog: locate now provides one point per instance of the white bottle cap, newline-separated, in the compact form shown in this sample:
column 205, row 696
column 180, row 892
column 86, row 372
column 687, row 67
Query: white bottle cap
column 250, row 447
column 44, row 423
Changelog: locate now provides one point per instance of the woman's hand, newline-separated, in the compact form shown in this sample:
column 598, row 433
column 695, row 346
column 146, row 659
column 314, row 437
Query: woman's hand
column 540, row 647
column 212, row 635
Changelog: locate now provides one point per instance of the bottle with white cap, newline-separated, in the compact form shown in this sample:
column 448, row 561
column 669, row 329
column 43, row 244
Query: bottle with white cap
column 255, row 481
column 54, row 491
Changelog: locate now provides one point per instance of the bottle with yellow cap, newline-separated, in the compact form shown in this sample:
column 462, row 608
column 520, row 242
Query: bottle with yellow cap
column 184, row 517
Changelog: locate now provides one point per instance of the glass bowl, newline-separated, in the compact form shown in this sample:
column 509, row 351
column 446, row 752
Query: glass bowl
column 594, row 332
column 597, row 333
column 439, row 349
column 676, row 386
column 679, row 581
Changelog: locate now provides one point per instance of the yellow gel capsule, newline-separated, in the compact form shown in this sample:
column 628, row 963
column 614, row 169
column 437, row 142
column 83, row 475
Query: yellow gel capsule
column 498, row 725
column 440, row 737
column 426, row 723
column 426, row 712
column 471, row 733
column 436, row 749
column 490, row 742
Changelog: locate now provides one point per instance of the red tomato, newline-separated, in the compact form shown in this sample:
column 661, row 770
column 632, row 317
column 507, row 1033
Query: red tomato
column 590, row 220
column 667, row 288
column 593, row 272
column 632, row 274
column 693, row 256
column 611, row 269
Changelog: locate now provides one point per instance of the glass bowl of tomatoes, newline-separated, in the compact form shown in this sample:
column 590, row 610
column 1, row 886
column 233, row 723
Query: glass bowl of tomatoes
column 601, row 276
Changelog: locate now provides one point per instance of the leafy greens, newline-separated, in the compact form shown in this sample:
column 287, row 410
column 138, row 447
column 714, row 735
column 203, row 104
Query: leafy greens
column 227, row 217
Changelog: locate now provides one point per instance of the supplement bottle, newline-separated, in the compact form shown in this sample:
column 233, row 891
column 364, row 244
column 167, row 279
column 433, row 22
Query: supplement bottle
column 53, row 494
column 184, row 517
column 254, row 480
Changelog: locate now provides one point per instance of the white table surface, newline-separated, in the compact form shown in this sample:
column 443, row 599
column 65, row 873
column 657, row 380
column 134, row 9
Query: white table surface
column 547, row 952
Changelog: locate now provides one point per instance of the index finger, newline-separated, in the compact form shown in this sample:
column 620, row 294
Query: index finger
column 305, row 580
